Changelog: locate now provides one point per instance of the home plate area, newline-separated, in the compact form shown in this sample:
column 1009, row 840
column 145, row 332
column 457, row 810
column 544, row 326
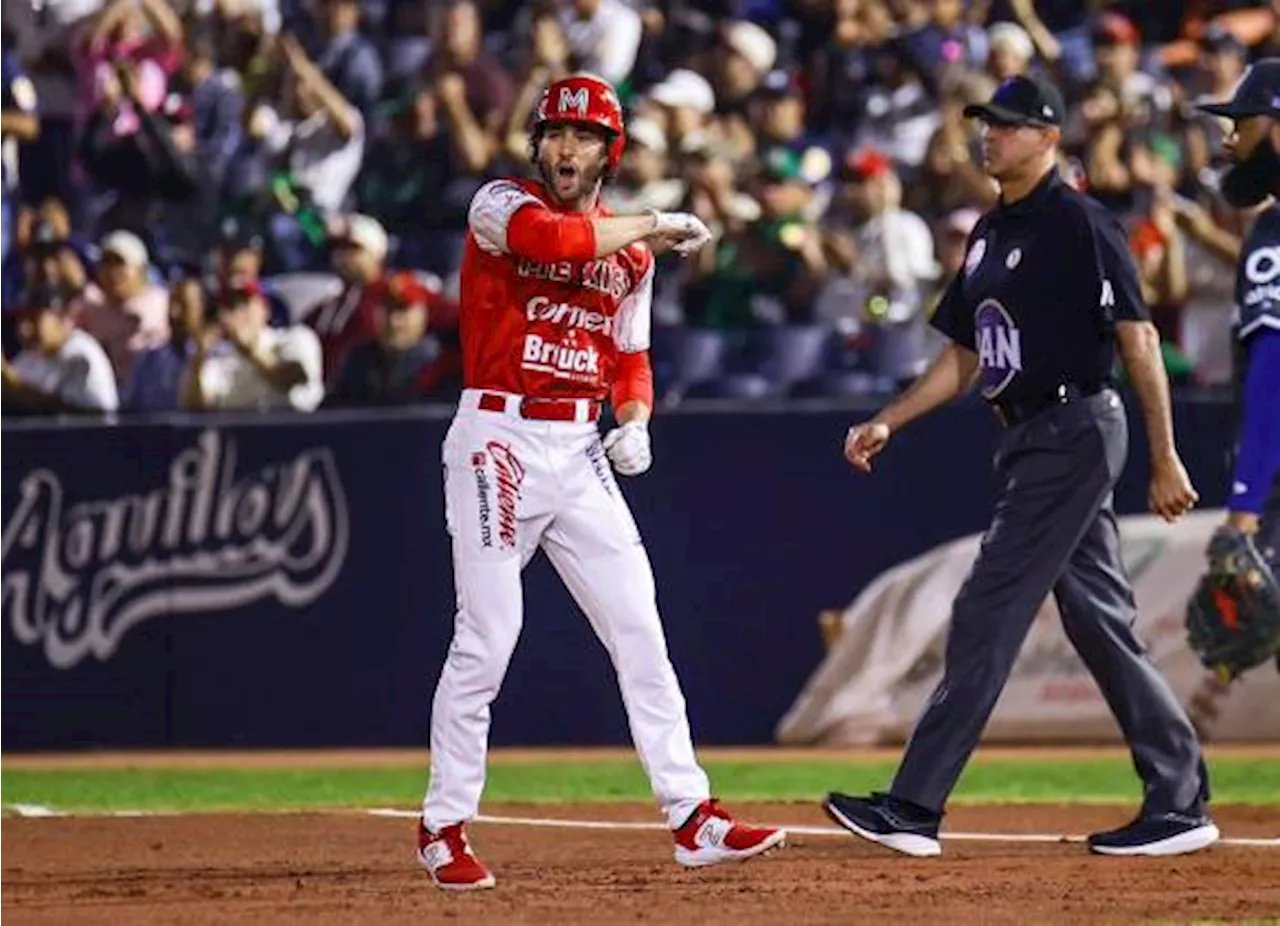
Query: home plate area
column 358, row 867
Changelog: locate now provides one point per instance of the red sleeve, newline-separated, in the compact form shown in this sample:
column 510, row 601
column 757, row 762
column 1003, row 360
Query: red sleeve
column 545, row 236
column 634, row 382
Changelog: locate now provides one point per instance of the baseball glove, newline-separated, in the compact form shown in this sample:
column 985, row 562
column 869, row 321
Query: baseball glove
column 1233, row 619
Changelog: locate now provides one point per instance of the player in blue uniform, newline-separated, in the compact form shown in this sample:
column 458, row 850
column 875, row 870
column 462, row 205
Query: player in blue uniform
column 1254, row 145
column 1233, row 617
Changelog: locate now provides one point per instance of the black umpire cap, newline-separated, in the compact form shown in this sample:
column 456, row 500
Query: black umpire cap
column 1257, row 94
column 1021, row 100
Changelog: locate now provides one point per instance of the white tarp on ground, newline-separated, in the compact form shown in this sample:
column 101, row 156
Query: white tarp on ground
column 888, row 658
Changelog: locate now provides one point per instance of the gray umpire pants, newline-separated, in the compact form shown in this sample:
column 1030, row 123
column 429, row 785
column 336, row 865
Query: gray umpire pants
column 1054, row 530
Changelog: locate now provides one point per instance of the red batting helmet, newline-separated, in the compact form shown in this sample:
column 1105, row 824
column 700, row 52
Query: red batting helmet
column 586, row 99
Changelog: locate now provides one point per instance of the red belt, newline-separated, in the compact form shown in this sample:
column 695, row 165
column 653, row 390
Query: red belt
column 541, row 409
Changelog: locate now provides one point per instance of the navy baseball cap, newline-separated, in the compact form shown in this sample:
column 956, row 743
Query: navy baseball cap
column 1021, row 100
column 1257, row 94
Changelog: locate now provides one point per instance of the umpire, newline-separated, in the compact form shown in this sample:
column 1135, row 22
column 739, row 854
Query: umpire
column 1047, row 293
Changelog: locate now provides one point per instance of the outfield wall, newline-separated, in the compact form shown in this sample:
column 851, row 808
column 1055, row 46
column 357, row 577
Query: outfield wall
column 284, row 581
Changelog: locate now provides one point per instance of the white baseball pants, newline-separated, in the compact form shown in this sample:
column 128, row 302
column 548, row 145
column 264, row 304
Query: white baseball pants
column 512, row 485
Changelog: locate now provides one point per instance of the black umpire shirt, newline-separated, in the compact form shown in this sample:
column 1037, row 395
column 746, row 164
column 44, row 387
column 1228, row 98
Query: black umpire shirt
column 1044, row 281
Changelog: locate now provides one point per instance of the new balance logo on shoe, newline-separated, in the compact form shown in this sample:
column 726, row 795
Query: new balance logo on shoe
column 711, row 836
column 448, row 858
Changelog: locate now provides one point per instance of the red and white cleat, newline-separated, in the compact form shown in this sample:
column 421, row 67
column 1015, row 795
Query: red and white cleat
column 712, row 836
column 448, row 857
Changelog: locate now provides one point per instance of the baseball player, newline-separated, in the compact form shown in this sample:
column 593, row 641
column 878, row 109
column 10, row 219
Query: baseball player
column 555, row 319
column 1047, row 296
column 1244, row 554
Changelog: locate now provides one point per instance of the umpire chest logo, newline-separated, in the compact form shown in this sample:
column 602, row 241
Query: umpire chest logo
column 975, row 255
column 999, row 347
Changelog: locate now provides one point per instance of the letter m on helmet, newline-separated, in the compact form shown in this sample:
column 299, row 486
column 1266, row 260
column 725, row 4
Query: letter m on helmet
column 573, row 99
column 587, row 99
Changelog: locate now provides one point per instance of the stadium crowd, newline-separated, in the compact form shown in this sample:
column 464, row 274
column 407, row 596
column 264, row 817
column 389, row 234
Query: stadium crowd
column 213, row 204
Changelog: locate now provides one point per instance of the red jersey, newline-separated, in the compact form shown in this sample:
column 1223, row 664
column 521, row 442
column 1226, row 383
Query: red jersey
column 546, row 328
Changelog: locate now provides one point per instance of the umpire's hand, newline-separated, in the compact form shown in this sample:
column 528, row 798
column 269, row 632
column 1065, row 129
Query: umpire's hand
column 1171, row 494
column 863, row 442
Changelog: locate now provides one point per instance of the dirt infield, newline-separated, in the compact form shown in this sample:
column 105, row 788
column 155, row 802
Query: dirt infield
column 353, row 868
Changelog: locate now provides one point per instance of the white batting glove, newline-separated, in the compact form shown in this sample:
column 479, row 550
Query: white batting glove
column 685, row 225
column 628, row 448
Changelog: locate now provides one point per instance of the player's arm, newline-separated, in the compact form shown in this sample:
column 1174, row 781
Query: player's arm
column 506, row 219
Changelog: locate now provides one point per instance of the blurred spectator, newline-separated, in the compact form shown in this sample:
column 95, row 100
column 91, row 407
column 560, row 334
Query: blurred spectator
column 944, row 42
column 317, row 151
column 1117, row 50
column 42, row 37
column 247, row 33
column 603, row 37
column 1060, row 31
column 841, row 73
column 952, row 245
column 417, row 183
column 682, row 104
column 347, row 58
column 746, row 53
column 61, row 369
column 128, row 314
column 19, row 122
column 157, row 373
column 894, row 269
column 142, row 38
column 769, row 271
column 238, row 254
column 644, row 178
column 1212, row 252
column 216, row 101
column 778, row 116
column 900, row 115
column 403, row 363
column 241, row 363
column 1011, row 51
column 359, row 253
column 474, row 90
column 152, row 164
column 408, row 43
column 1220, row 65
column 745, row 56
column 950, row 176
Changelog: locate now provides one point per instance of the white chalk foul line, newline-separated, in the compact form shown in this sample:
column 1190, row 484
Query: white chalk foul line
column 798, row 830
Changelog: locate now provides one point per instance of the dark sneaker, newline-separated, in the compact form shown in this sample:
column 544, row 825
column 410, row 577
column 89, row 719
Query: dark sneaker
column 882, row 819
column 1160, row 834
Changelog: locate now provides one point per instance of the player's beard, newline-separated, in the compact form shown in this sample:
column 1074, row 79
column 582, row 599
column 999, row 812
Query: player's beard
column 574, row 189
column 1252, row 180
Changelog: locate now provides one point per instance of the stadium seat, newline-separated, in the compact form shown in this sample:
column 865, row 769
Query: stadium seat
column 899, row 351
column 741, row 386
column 789, row 354
column 843, row 384
column 685, row 357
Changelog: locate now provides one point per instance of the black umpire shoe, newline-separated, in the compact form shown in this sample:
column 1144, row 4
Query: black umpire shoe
column 1158, row 834
column 888, row 821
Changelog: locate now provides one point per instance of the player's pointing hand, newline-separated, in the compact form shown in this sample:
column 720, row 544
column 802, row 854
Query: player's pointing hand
column 863, row 442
